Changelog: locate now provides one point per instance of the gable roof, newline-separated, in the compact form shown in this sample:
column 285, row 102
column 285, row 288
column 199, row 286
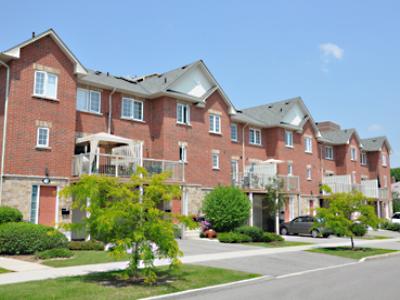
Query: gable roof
column 375, row 143
column 15, row 52
column 340, row 137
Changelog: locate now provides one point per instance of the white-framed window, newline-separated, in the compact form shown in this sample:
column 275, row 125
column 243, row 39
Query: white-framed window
column 329, row 152
column 183, row 152
column 363, row 158
column 289, row 138
column 42, row 138
column 88, row 100
column 45, row 84
column 234, row 132
column 132, row 109
column 215, row 123
column 290, row 169
column 235, row 171
column 215, row 160
column 182, row 113
column 384, row 160
column 353, row 153
column 254, row 136
column 308, row 144
column 309, row 173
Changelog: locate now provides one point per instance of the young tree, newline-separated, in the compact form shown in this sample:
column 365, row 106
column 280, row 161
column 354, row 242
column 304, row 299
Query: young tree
column 344, row 211
column 275, row 200
column 126, row 214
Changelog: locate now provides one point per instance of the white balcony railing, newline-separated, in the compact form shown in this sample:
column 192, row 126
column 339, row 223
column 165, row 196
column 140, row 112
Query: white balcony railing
column 176, row 169
column 343, row 184
column 257, row 181
column 383, row 194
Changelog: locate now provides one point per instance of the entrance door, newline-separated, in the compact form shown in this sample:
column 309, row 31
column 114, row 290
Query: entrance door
column 47, row 205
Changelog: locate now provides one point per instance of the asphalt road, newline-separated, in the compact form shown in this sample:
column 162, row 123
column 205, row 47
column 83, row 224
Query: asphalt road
column 375, row 279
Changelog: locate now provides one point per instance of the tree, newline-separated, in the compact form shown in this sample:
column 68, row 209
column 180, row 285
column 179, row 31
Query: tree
column 395, row 172
column 275, row 200
column 226, row 208
column 344, row 211
column 126, row 214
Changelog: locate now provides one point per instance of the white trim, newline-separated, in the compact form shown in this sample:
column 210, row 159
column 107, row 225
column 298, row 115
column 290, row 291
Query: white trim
column 215, row 154
column 237, row 132
column 57, row 206
column 89, row 103
column 37, row 205
column 45, row 85
column 47, row 137
column 325, row 152
column 183, row 114
column 306, row 144
column 255, row 130
column 353, row 149
column 132, row 102
column 214, row 122
column 289, row 133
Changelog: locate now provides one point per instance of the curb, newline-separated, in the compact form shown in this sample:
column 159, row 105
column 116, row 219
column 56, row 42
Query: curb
column 387, row 255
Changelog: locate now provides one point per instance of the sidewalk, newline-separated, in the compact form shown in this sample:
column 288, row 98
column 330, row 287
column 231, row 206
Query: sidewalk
column 17, row 265
column 49, row 273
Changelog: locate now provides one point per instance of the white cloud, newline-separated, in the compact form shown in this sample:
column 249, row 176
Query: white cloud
column 375, row 128
column 331, row 50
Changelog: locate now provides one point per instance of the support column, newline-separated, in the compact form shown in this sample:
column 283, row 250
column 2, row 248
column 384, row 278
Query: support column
column 277, row 229
column 251, row 221
column 378, row 205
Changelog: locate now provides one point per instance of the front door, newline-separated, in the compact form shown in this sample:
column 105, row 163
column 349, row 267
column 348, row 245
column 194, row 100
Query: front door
column 47, row 205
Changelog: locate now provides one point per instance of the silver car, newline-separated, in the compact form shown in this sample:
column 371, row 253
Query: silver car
column 303, row 225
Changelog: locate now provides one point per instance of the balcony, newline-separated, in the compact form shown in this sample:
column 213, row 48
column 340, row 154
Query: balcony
column 343, row 184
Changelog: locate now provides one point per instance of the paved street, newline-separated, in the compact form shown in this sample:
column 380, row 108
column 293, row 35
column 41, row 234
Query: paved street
column 375, row 279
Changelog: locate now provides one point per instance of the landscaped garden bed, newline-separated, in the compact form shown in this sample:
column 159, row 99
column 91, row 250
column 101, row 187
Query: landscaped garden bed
column 356, row 253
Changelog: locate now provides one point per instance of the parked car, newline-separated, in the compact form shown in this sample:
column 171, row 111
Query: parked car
column 303, row 225
column 396, row 217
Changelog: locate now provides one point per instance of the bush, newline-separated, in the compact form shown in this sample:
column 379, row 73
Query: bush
column 390, row 226
column 9, row 214
column 54, row 253
column 255, row 233
column 359, row 229
column 86, row 245
column 233, row 237
column 177, row 231
column 269, row 237
column 226, row 208
column 28, row 238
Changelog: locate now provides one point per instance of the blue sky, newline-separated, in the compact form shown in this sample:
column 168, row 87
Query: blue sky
column 341, row 57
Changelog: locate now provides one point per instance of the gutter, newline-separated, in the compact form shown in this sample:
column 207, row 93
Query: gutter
column 110, row 110
column 3, row 147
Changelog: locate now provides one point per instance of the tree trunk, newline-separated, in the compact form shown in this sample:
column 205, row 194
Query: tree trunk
column 352, row 243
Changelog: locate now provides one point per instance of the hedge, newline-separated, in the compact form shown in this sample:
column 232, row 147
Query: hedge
column 233, row 237
column 255, row 233
column 9, row 214
column 269, row 237
column 28, row 238
column 86, row 245
column 54, row 253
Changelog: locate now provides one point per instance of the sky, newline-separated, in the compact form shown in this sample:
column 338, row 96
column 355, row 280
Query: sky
column 341, row 57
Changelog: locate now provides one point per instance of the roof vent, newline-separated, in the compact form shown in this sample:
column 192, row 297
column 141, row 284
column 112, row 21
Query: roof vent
column 108, row 74
column 270, row 106
column 33, row 34
column 281, row 109
column 287, row 103
column 165, row 79
column 97, row 72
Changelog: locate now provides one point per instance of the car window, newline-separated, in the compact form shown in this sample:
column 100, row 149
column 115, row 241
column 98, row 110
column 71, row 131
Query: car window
column 309, row 219
column 295, row 220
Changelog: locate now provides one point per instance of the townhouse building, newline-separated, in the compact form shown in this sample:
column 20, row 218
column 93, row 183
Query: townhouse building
column 61, row 120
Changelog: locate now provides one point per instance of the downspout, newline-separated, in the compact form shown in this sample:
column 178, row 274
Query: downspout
column 243, row 148
column 110, row 110
column 3, row 147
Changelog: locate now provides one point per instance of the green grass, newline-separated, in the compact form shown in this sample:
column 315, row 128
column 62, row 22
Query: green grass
column 277, row 244
column 107, row 285
column 84, row 258
column 4, row 270
column 373, row 237
column 357, row 253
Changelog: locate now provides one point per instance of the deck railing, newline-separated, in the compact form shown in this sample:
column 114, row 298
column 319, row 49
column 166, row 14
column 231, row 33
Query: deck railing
column 343, row 184
column 259, row 181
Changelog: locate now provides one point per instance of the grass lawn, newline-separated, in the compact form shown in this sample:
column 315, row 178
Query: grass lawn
column 373, row 237
column 4, row 271
column 358, row 253
column 107, row 285
column 83, row 258
column 277, row 244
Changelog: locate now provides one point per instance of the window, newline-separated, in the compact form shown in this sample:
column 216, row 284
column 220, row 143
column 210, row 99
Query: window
column 132, row 109
column 353, row 153
column 45, row 84
column 308, row 144
column 309, row 173
column 182, row 113
column 34, row 204
column 42, row 139
column 255, row 136
column 289, row 138
column 290, row 169
column 87, row 100
column 215, row 123
column 329, row 152
column 182, row 152
column 384, row 160
column 215, row 160
column 363, row 158
column 234, row 132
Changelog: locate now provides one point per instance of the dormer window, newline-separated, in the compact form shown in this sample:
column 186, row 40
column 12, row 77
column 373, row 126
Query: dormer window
column 45, row 85
column 353, row 153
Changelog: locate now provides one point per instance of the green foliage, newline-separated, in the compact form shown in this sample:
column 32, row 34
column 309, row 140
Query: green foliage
column 255, row 233
column 27, row 238
column 86, row 245
column 338, row 218
column 396, row 204
column 9, row 214
column 127, row 215
column 54, row 253
column 269, row 237
column 395, row 172
column 274, row 198
column 177, row 231
column 226, row 208
column 359, row 229
column 233, row 237
column 390, row 226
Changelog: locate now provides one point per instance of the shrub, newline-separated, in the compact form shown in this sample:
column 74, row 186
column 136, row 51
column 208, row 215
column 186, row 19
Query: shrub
column 86, row 245
column 177, row 231
column 390, row 226
column 255, row 233
column 28, row 238
column 269, row 237
column 226, row 208
column 9, row 214
column 359, row 229
column 233, row 237
column 54, row 253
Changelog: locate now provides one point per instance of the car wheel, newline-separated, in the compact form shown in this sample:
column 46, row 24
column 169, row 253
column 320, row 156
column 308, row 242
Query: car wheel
column 284, row 231
column 314, row 233
column 326, row 235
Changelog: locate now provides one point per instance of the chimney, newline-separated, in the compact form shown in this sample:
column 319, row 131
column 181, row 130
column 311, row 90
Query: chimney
column 328, row 126
column 33, row 34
